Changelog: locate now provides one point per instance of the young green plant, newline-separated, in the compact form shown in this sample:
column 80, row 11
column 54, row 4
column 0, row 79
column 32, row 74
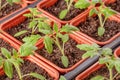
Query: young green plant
column 103, row 14
column 35, row 22
column 57, row 35
column 13, row 59
column 3, row 4
column 106, row 57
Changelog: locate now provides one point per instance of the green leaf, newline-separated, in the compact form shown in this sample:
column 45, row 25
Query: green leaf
column 20, row 33
column 55, row 27
column 15, row 54
column 38, row 76
column 6, row 53
column 85, row 47
column 68, row 28
column 82, row 4
column 28, row 15
column 63, row 13
column 117, row 65
column 107, row 51
column 101, row 31
column 104, row 60
column 16, row 1
column 32, row 39
column 34, row 11
column 1, row 61
column 32, row 24
column 45, row 31
column 64, row 37
column 89, row 54
column 48, row 44
column 7, row 66
column 10, row 1
column 62, row 78
column 92, row 11
column 65, row 61
column 98, row 78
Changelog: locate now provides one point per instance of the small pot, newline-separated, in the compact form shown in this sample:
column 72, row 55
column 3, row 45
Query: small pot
column 17, row 20
column 52, row 72
column 109, row 1
column 48, row 3
column 23, row 6
column 83, row 18
column 62, row 70
column 29, row 1
column 95, row 67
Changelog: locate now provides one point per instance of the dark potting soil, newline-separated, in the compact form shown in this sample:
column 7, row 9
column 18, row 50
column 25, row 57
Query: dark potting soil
column 103, row 72
column 71, row 51
column 61, row 5
column 22, row 26
column 26, row 68
column 5, row 45
column 90, row 27
column 115, row 6
column 8, row 8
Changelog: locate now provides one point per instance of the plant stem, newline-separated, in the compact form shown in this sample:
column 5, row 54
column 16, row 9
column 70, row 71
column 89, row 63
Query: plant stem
column 111, row 75
column 71, row 1
column 115, row 76
column 100, row 18
column 25, row 75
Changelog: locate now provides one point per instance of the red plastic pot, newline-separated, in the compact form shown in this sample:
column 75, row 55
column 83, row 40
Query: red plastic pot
column 82, row 18
column 48, row 3
column 17, row 20
column 109, row 1
column 22, row 5
column 95, row 67
column 29, row 1
column 62, row 70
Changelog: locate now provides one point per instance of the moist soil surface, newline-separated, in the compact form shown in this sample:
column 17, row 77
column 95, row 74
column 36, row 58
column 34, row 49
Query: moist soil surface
column 22, row 26
column 8, row 8
column 71, row 51
column 61, row 5
column 26, row 68
column 90, row 27
column 103, row 72
column 5, row 45
column 115, row 6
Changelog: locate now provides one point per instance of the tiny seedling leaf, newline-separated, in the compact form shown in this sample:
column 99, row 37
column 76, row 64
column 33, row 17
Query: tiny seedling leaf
column 20, row 33
column 6, row 53
column 101, row 31
column 62, row 78
column 63, row 13
column 7, row 66
column 48, row 44
column 65, row 61
column 38, row 76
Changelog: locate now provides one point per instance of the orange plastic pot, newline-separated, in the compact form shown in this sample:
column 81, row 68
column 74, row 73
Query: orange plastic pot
column 17, row 20
column 48, row 3
column 29, row 1
column 109, row 1
column 95, row 67
column 52, row 72
column 62, row 70
column 83, row 18
column 22, row 5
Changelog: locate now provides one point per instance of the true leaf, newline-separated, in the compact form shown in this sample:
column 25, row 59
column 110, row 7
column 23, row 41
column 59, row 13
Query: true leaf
column 63, row 13
column 101, row 31
column 38, row 76
column 85, row 47
column 89, row 54
column 65, row 61
column 48, row 44
column 92, row 11
column 7, row 66
column 117, row 65
column 6, row 53
column 10, row 1
column 55, row 27
column 107, row 51
column 20, row 33
column 32, row 24
column 1, row 61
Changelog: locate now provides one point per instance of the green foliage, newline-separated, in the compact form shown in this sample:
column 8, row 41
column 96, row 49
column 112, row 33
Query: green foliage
column 100, row 11
column 106, row 57
column 56, row 36
column 62, row 78
column 64, row 12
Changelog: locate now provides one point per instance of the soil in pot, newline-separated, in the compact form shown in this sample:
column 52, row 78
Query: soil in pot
column 90, row 27
column 8, row 8
column 71, row 51
column 61, row 5
column 115, row 6
column 22, row 26
column 5, row 45
column 103, row 72
column 28, row 67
